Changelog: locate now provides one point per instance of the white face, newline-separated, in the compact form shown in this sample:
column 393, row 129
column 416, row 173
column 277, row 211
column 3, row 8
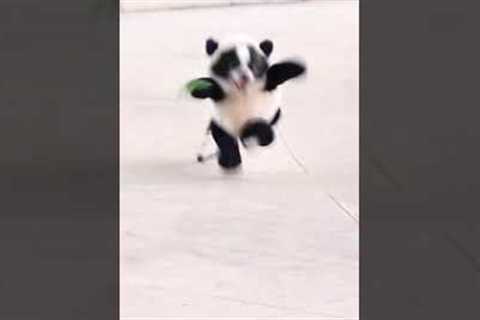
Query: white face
column 239, row 65
column 242, row 75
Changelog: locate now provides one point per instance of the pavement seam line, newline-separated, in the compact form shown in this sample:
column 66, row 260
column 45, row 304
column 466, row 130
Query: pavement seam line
column 302, row 166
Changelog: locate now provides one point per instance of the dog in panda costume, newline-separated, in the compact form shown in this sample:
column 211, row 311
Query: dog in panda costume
column 244, row 87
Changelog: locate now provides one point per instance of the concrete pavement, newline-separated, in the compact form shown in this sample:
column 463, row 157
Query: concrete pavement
column 281, row 239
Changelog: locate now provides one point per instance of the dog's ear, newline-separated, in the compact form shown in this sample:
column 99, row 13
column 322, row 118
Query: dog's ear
column 266, row 46
column 211, row 46
column 281, row 72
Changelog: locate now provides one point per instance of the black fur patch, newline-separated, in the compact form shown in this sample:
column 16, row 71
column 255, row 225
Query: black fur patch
column 227, row 61
column 276, row 117
column 211, row 46
column 267, row 47
column 229, row 156
column 258, row 63
column 281, row 72
column 259, row 129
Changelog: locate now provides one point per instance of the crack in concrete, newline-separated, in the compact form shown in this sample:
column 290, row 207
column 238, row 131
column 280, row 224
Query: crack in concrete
column 303, row 167
column 343, row 208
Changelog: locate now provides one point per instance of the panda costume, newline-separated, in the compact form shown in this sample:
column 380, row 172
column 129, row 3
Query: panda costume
column 243, row 86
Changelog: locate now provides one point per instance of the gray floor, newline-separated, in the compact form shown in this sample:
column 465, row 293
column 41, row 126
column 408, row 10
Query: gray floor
column 279, row 240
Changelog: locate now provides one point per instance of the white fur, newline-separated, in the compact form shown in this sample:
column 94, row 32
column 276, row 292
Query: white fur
column 239, row 107
column 232, row 41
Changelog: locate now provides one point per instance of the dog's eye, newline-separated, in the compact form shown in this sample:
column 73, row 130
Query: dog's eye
column 228, row 61
column 233, row 63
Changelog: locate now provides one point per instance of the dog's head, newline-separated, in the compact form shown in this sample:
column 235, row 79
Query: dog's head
column 239, row 62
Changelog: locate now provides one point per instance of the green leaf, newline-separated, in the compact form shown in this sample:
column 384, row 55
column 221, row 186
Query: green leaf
column 198, row 84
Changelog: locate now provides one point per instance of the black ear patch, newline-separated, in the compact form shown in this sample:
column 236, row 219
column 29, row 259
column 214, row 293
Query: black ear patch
column 211, row 45
column 267, row 47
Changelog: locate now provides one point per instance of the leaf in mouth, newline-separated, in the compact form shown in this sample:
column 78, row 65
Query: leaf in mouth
column 198, row 84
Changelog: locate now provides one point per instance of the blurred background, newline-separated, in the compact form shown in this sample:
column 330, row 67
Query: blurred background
column 149, row 5
column 281, row 239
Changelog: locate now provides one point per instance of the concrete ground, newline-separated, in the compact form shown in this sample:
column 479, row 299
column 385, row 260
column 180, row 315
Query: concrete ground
column 279, row 240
